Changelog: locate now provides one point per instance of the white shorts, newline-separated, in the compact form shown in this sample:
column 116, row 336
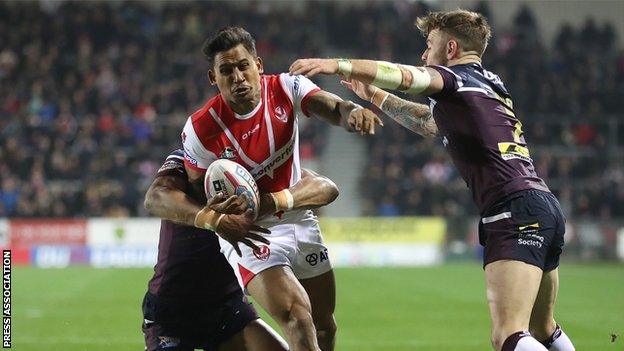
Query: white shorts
column 298, row 243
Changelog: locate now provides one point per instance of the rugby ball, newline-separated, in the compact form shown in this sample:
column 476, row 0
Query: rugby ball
column 232, row 179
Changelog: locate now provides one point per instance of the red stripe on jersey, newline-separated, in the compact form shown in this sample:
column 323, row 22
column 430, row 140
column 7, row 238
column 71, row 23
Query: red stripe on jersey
column 246, row 274
column 203, row 124
column 304, row 101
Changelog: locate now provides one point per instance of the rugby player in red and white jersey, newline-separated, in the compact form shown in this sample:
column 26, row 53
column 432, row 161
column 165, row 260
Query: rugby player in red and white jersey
column 253, row 121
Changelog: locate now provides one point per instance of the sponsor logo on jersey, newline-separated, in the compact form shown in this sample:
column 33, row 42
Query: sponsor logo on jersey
column 253, row 130
column 228, row 153
column 183, row 137
column 280, row 157
column 280, row 114
column 262, row 253
column 190, row 159
column 511, row 151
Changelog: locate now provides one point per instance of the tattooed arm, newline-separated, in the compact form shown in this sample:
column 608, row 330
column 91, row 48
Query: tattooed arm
column 411, row 115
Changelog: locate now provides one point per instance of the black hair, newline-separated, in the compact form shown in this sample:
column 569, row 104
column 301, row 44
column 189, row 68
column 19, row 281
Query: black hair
column 227, row 38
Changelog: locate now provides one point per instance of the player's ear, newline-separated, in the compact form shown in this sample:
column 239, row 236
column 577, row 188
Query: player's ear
column 211, row 77
column 259, row 64
column 451, row 49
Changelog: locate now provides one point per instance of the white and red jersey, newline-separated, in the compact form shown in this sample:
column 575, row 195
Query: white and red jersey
column 265, row 141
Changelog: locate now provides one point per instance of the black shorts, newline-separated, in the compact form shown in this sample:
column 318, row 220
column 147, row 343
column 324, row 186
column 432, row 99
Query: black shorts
column 526, row 226
column 174, row 325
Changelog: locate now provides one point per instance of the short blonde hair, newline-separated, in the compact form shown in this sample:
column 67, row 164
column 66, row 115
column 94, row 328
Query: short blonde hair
column 471, row 29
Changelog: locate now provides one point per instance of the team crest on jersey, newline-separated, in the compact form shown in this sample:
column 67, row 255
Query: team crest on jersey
column 281, row 115
column 228, row 153
column 262, row 253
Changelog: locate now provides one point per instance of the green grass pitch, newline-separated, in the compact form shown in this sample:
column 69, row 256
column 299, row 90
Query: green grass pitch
column 394, row 309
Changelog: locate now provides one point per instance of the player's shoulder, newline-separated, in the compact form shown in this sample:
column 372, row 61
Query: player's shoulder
column 201, row 123
column 472, row 77
column 204, row 111
column 280, row 86
column 173, row 164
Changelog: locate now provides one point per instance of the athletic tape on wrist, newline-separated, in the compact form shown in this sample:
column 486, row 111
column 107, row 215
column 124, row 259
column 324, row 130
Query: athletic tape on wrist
column 383, row 99
column 420, row 79
column 218, row 221
column 388, row 75
column 207, row 219
column 345, row 67
column 283, row 200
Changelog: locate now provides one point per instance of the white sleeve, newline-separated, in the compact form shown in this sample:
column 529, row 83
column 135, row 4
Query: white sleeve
column 297, row 87
column 195, row 154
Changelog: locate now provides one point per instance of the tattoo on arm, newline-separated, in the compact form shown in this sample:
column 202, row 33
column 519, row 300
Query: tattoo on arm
column 413, row 116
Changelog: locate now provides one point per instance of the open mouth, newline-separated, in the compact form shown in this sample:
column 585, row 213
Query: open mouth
column 242, row 90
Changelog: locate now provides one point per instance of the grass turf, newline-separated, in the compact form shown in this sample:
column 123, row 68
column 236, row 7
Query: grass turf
column 394, row 309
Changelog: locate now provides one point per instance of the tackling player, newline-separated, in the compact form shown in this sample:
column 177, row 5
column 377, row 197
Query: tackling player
column 193, row 299
column 522, row 225
column 253, row 121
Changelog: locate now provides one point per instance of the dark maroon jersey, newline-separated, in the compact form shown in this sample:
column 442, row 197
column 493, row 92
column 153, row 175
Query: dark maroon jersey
column 190, row 264
column 475, row 117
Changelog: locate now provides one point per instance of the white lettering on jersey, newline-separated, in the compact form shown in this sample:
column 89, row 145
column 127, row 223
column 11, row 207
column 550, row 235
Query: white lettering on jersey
column 253, row 130
column 277, row 159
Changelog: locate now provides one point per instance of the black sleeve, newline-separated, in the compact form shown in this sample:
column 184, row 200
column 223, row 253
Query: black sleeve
column 452, row 81
column 173, row 165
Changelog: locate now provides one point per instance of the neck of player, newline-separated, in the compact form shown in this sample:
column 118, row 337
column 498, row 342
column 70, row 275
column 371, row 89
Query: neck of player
column 465, row 59
column 244, row 107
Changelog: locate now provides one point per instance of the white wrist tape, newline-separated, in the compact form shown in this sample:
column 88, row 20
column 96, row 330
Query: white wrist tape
column 383, row 100
column 345, row 67
column 420, row 79
column 207, row 219
column 388, row 75
column 283, row 200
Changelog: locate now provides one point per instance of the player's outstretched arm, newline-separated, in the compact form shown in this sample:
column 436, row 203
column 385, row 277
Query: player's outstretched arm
column 382, row 74
column 312, row 191
column 411, row 115
column 352, row 117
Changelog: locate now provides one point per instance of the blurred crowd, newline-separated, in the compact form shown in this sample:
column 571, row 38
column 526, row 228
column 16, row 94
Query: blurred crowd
column 93, row 96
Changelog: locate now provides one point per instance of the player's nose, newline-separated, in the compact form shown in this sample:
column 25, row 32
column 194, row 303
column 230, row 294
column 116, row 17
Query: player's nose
column 238, row 75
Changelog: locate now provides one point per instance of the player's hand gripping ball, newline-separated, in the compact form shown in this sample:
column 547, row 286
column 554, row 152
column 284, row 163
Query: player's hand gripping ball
column 230, row 178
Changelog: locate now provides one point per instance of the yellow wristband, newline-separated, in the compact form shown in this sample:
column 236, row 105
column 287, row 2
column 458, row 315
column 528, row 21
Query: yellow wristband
column 284, row 200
